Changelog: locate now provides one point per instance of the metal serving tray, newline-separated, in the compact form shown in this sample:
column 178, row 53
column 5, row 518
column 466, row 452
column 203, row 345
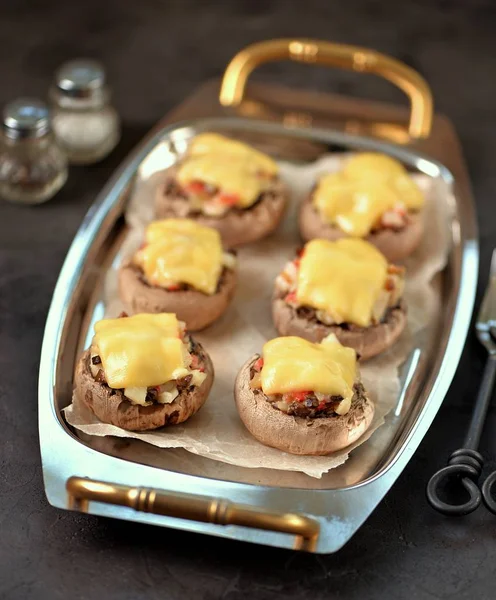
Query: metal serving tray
column 134, row 481
column 324, row 513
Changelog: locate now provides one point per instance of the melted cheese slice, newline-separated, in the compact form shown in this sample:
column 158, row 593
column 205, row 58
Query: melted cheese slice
column 181, row 251
column 140, row 351
column 369, row 185
column 292, row 364
column 344, row 278
column 229, row 165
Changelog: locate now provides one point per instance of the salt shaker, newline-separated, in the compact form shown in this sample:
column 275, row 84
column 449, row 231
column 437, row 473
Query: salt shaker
column 85, row 123
column 33, row 168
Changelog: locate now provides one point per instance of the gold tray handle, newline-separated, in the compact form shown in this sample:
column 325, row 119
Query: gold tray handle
column 81, row 491
column 352, row 58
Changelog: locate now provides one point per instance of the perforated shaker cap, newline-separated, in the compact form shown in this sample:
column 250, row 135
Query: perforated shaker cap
column 26, row 117
column 81, row 78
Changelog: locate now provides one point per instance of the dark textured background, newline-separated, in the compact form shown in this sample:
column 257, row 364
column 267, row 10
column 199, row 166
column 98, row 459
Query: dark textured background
column 156, row 53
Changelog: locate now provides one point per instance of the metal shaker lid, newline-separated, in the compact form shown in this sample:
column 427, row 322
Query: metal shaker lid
column 80, row 78
column 26, row 117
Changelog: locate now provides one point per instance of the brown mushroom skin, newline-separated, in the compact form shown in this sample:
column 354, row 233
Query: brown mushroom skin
column 196, row 309
column 297, row 435
column 238, row 226
column 366, row 341
column 111, row 406
column 395, row 244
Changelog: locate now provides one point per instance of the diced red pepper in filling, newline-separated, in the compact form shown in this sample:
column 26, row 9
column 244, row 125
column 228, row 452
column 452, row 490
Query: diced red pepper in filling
column 300, row 252
column 195, row 361
column 296, row 262
column 395, row 269
column 258, row 364
column 291, row 298
column 196, row 187
column 389, row 285
column 228, row 199
column 295, row 396
column 173, row 287
column 321, row 406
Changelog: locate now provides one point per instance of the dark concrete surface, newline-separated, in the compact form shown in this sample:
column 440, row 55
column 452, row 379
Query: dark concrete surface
column 156, row 53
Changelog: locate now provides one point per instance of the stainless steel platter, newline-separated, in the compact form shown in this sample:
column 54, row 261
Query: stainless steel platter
column 132, row 481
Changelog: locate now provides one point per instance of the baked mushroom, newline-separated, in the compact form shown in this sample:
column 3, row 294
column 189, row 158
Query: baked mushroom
column 345, row 288
column 372, row 197
column 303, row 398
column 227, row 185
column 180, row 268
column 143, row 372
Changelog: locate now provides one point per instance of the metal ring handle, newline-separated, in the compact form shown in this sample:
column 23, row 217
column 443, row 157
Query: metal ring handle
column 197, row 508
column 466, row 474
column 487, row 495
column 342, row 56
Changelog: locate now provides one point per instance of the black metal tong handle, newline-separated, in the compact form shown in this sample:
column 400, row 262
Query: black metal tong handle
column 465, row 464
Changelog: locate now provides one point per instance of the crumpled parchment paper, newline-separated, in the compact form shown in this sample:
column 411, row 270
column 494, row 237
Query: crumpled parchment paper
column 216, row 431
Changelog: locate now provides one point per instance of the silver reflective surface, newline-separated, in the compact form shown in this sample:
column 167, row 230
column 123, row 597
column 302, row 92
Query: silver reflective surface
column 341, row 500
column 26, row 117
column 81, row 76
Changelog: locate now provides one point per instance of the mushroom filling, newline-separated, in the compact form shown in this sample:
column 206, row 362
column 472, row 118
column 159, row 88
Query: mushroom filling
column 396, row 219
column 165, row 393
column 228, row 260
column 210, row 201
column 306, row 404
column 389, row 298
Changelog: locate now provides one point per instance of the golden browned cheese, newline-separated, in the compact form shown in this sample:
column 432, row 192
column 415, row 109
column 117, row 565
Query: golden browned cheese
column 181, row 251
column 343, row 278
column 369, row 185
column 292, row 364
column 141, row 351
column 231, row 166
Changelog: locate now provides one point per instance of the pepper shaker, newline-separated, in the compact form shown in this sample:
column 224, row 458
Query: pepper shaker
column 86, row 125
column 33, row 168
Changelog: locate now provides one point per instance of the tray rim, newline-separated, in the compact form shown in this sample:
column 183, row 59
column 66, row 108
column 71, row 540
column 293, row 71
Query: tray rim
column 71, row 270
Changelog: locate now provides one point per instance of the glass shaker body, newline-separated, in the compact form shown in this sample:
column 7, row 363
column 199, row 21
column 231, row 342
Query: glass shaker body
column 87, row 131
column 86, row 125
column 33, row 167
